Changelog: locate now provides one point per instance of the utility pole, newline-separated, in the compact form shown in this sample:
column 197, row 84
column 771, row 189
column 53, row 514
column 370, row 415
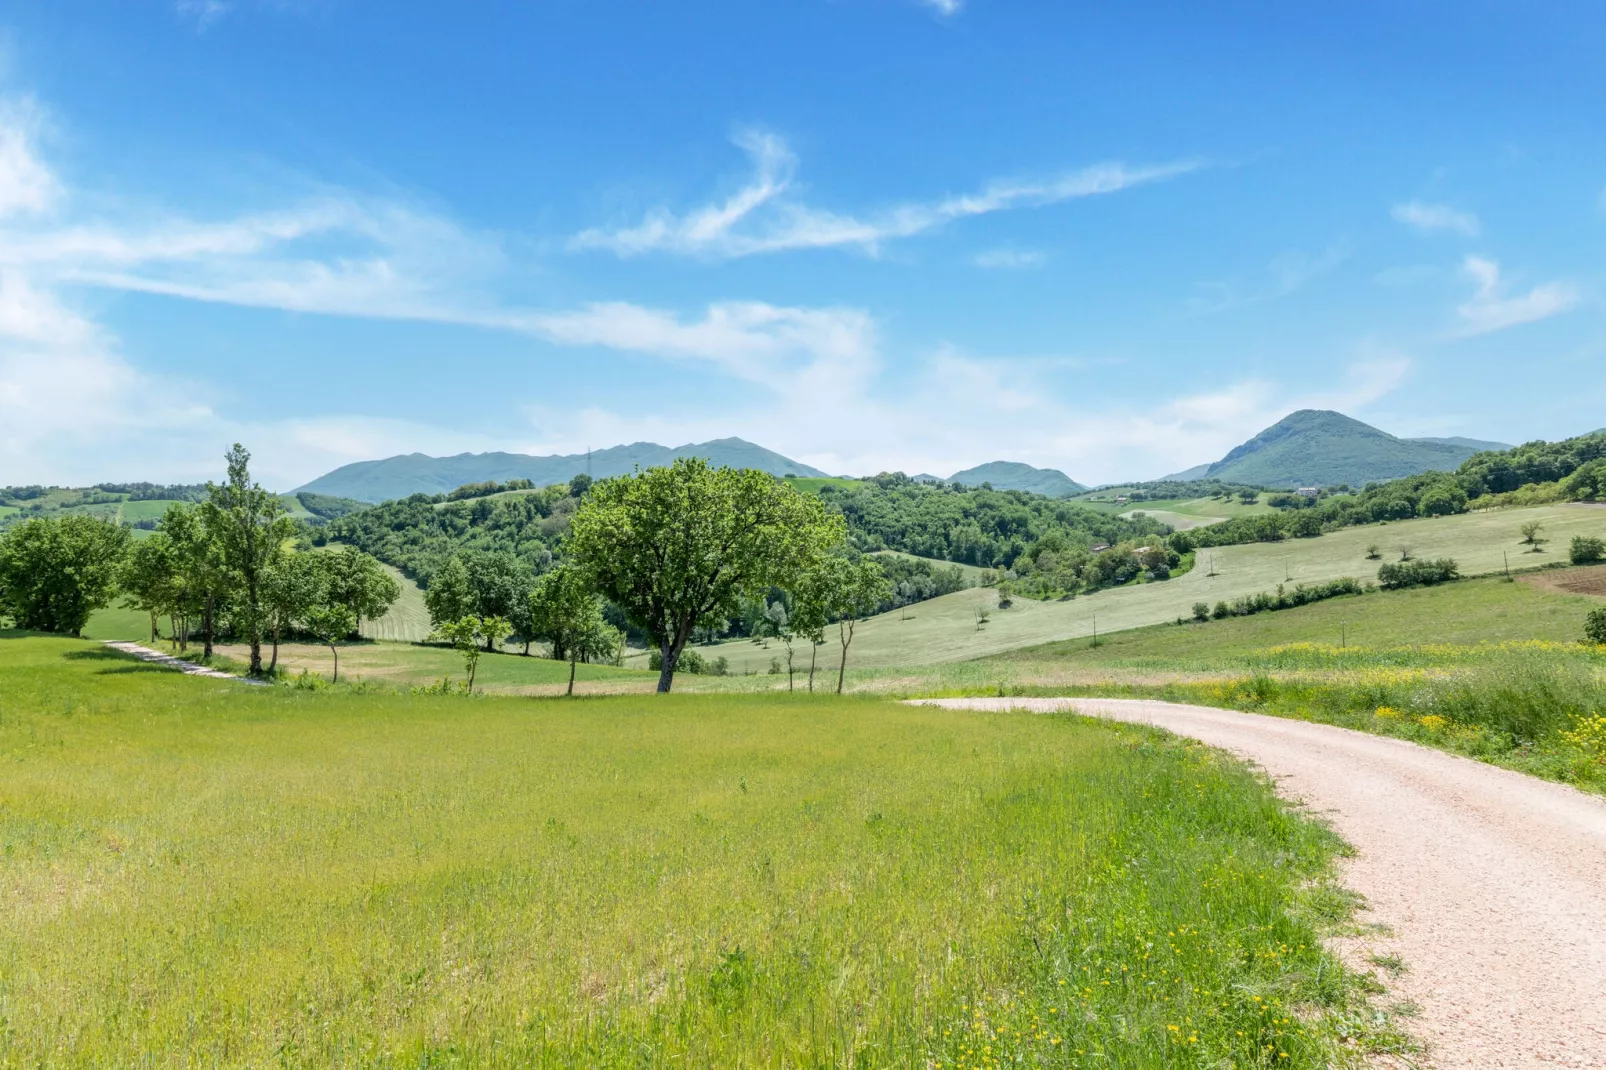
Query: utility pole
column 1506, row 556
column 1095, row 631
column 1343, row 634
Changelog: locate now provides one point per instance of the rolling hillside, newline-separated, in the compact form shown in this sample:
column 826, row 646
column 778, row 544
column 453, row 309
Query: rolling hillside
column 945, row 629
column 1012, row 475
column 1321, row 448
column 416, row 473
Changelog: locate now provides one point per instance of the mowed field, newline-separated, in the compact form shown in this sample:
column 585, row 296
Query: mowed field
column 407, row 621
column 201, row 873
column 946, row 629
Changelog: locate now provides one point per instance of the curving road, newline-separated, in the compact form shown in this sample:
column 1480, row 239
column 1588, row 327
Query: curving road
column 1492, row 884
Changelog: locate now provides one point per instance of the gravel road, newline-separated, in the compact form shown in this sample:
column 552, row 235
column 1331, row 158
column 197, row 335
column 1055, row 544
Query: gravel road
column 1491, row 884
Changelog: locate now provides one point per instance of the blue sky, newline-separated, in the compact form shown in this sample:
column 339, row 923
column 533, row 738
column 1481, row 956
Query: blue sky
column 871, row 234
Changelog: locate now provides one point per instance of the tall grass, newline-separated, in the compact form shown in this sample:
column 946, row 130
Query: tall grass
column 196, row 872
column 1529, row 705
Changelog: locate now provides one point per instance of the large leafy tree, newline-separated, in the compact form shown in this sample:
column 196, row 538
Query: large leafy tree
column 55, row 572
column 150, row 577
column 567, row 613
column 678, row 546
column 250, row 528
column 449, row 597
column 200, row 581
column 295, row 585
column 360, row 582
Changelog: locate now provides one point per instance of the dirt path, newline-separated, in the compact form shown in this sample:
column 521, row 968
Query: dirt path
column 188, row 668
column 1492, row 885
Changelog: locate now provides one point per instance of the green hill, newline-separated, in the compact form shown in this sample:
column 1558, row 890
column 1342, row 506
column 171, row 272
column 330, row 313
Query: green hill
column 1012, row 475
column 416, row 473
column 1319, row 448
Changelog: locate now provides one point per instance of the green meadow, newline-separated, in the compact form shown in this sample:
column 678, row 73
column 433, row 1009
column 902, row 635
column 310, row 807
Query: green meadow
column 947, row 629
column 201, row 872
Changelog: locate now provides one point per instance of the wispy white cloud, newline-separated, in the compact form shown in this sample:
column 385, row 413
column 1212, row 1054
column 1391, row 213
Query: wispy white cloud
column 1287, row 273
column 945, row 8
column 202, row 13
column 763, row 216
column 1490, row 309
column 1431, row 217
column 1010, row 259
column 26, row 184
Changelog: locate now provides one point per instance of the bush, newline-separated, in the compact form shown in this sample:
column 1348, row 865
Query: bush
column 1400, row 574
column 690, row 661
column 1595, row 627
column 1201, row 611
column 1587, row 550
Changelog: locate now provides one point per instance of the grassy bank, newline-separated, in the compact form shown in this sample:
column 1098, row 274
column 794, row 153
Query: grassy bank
column 197, row 872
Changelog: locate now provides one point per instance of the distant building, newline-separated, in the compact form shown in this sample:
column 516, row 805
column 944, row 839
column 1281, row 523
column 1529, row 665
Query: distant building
column 1122, row 499
column 1308, row 492
column 1099, row 547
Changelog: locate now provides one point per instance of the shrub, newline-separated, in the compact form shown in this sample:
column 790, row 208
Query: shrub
column 1595, row 627
column 690, row 661
column 1222, row 611
column 1587, row 550
column 1201, row 611
column 1400, row 574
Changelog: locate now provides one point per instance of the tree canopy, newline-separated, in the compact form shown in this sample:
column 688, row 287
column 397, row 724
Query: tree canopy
column 678, row 546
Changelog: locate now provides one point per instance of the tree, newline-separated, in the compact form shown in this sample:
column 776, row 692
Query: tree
column 202, row 581
column 1586, row 550
column 360, row 582
column 331, row 622
column 677, row 546
column 150, row 578
column 448, row 598
column 1587, row 483
column 776, row 623
column 55, row 572
column 1530, row 534
column 250, row 528
column 466, row 635
column 1595, row 627
column 857, row 590
column 497, row 583
column 567, row 613
column 290, row 589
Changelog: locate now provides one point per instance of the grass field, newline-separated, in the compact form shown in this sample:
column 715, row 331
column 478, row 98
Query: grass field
column 945, row 629
column 972, row 573
column 407, row 621
column 203, row 873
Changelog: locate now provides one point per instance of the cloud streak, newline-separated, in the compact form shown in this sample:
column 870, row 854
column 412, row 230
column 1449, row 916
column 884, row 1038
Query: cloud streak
column 1490, row 310
column 1435, row 217
column 764, row 216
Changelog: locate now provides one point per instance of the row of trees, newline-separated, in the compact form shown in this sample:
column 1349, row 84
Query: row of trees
column 226, row 563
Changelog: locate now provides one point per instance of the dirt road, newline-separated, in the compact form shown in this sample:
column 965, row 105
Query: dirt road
column 1492, row 884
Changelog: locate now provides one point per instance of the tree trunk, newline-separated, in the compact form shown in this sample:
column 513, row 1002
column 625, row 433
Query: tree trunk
column 571, row 676
column 526, row 648
column 814, row 655
column 845, row 630
column 473, row 667
column 256, row 652
column 666, row 668
column 206, row 629
column 156, row 632
column 273, row 668
column 336, row 653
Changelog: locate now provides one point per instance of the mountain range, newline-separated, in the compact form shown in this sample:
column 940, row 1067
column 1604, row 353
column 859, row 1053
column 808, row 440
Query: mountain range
column 1316, row 447
column 1310, row 447
column 416, row 473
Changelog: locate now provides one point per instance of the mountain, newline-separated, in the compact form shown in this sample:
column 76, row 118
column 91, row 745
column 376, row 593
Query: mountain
column 1477, row 445
column 1314, row 447
column 415, row 473
column 1012, row 475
